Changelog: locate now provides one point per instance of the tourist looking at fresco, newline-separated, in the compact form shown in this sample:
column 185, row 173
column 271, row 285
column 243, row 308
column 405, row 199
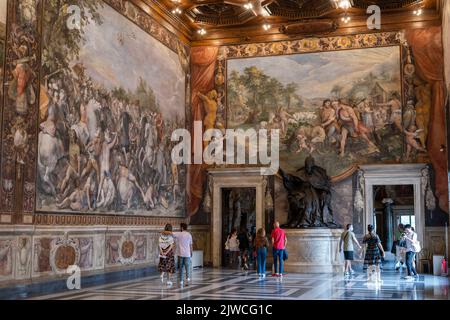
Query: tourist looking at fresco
column 279, row 242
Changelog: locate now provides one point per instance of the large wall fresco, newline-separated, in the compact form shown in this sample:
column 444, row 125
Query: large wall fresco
column 342, row 107
column 111, row 95
column 3, row 14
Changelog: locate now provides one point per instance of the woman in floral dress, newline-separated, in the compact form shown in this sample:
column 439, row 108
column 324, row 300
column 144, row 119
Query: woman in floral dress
column 167, row 254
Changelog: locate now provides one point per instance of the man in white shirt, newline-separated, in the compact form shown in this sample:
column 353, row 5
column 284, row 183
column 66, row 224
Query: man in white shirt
column 411, row 239
column 184, row 250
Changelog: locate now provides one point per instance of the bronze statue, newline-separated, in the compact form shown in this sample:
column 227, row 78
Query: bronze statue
column 309, row 196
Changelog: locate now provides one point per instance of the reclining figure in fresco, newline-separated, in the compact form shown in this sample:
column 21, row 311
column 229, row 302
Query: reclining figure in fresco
column 309, row 196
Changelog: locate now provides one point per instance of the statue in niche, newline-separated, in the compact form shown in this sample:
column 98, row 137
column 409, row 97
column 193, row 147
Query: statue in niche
column 309, row 197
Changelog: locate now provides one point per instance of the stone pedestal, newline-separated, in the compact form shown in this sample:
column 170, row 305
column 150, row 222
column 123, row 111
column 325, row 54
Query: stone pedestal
column 313, row 250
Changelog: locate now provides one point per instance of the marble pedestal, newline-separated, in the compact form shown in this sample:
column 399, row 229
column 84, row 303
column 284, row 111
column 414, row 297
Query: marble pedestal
column 313, row 250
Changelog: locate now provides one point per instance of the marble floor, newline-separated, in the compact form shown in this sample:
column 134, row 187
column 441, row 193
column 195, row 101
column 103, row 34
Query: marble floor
column 225, row 284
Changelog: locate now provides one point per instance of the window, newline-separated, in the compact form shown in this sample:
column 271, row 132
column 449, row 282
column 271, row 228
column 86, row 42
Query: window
column 408, row 220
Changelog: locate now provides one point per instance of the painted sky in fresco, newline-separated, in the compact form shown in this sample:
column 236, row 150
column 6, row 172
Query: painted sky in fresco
column 115, row 64
column 317, row 73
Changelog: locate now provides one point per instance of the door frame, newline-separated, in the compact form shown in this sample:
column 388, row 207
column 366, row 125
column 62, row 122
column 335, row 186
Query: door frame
column 221, row 178
column 395, row 174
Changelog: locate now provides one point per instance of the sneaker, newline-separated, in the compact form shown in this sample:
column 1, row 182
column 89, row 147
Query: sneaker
column 407, row 278
column 264, row 275
column 169, row 283
column 188, row 279
column 181, row 284
column 352, row 271
column 346, row 274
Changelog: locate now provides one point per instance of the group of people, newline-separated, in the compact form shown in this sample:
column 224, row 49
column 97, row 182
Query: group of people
column 173, row 244
column 260, row 246
column 363, row 120
column 180, row 244
column 375, row 253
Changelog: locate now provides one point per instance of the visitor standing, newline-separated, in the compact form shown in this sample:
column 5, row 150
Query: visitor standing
column 347, row 239
column 184, row 241
column 374, row 252
column 244, row 247
column 232, row 246
column 399, row 247
column 166, row 254
column 261, row 245
column 412, row 247
column 279, row 242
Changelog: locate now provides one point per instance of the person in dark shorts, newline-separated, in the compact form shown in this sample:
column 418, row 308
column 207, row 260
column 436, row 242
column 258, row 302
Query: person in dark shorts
column 346, row 243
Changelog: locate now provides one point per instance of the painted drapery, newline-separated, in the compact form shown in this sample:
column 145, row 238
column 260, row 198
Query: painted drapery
column 427, row 49
column 203, row 61
column 446, row 39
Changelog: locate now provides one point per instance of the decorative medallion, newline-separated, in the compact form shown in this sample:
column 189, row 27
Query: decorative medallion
column 127, row 248
column 65, row 252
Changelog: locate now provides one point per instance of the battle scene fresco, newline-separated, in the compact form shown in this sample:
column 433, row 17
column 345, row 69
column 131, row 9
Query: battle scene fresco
column 110, row 97
column 342, row 107
column 3, row 14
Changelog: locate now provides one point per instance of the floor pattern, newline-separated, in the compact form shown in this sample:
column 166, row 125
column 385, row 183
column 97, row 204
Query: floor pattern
column 224, row 284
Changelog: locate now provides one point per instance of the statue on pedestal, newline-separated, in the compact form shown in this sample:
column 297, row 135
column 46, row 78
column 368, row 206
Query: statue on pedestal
column 309, row 196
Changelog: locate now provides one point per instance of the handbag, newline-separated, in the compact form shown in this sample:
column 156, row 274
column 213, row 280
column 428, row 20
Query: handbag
column 227, row 244
column 416, row 247
column 285, row 255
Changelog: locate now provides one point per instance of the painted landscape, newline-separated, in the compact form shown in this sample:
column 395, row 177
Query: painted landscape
column 342, row 107
column 111, row 96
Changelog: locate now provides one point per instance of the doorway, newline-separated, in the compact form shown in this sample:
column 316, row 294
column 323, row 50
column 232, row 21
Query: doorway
column 393, row 205
column 396, row 175
column 239, row 213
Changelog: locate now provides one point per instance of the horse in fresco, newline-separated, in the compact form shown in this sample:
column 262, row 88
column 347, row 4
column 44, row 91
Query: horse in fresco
column 124, row 134
column 150, row 146
column 51, row 150
column 92, row 110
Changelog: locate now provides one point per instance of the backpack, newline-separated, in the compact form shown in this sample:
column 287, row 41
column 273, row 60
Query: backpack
column 227, row 243
column 416, row 247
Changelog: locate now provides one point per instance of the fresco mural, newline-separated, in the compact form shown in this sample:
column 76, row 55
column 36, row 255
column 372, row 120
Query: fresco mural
column 343, row 107
column 111, row 95
column 3, row 13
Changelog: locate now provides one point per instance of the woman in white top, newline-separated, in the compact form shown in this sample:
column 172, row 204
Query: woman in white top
column 232, row 245
column 411, row 240
column 166, row 254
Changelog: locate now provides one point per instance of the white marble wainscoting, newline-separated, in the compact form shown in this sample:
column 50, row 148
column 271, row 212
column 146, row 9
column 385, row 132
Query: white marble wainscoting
column 45, row 252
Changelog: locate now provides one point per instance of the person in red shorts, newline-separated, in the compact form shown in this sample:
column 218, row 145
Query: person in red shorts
column 279, row 242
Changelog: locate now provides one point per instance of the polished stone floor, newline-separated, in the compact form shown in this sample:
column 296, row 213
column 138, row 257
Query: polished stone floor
column 225, row 284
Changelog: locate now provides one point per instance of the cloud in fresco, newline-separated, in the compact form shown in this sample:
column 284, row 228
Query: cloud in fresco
column 113, row 64
column 317, row 73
